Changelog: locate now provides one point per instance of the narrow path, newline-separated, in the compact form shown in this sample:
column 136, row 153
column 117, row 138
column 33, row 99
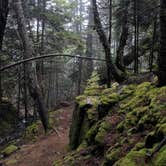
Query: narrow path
column 47, row 148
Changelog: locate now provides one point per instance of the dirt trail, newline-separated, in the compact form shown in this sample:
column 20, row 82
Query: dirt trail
column 47, row 148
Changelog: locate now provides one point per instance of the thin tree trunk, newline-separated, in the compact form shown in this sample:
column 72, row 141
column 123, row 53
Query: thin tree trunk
column 162, row 56
column 111, row 68
column 19, row 91
column 34, row 88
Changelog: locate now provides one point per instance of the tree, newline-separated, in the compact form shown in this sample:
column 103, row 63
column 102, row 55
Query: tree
column 111, row 68
column 3, row 20
column 162, row 56
column 33, row 85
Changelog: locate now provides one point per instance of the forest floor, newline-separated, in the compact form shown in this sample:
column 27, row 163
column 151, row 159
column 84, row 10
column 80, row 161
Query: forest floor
column 47, row 148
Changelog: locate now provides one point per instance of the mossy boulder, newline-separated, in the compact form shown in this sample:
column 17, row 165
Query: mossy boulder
column 112, row 156
column 31, row 132
column 133, row 158
column 102, row 132
column 160, row 159
column 9, row 150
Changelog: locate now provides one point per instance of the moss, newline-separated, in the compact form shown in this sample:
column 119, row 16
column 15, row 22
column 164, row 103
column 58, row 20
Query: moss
column 92, row 115
column 82, row 146
column 133, row 158
column 91, row 133
column 120, row 127
column 102, row 132
column 11, row 162
column 31, row 132
column 109, row 99
column 160, row 159
column 161, row 131
column 127, row 91
column 112, row 156
column 131, row 120
column 139, row 146
column 100, row 136
column 150, row 140
column 9, row 150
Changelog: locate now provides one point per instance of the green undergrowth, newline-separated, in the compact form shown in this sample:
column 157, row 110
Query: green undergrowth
column 121, row 125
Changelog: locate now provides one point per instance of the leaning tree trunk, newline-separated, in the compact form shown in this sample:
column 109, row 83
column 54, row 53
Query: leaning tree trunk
column 111, row 68
column 33, row 85
column 162, row 56
column 3, row 20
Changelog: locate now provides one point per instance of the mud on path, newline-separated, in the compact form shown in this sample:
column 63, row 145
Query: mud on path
column 47, row 148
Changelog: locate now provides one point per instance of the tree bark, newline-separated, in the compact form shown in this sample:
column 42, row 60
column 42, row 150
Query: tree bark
column 162, row 56
column 33, row 85
column 111, row 68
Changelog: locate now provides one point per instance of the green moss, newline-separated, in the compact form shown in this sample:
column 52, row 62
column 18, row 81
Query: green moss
column 31, row 132
column 133, row 158
column 139, row 146
column 112, row 155
column 100, row 136
column 102, row 132
column 82, row 146
column 130, row 120
column 11, row 162
column 92, row 115
column 160, row 159
column 120, row 127
column 9, row 150
column 91, row 133
column 161, row 131
column 109, row 99
column 127, row 91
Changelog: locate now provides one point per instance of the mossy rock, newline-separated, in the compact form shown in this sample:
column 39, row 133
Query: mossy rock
column 11, row 162
column 160, row 159
column 9, row 150
column 127, row 91
column 90, row 135
column 102, row 132
column 133, row 158
column 112, row 156
column 31, row 132
column 120, row 127
column 161, row 130
column 93, row 115
column 109, row 99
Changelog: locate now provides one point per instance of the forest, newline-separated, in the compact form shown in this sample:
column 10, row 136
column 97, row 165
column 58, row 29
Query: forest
column 82, row 83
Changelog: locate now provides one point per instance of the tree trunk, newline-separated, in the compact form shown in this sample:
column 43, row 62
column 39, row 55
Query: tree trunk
column 151, row 58
column 32, row 82
column 162, row 56
column 111, row 68
column 136, row 36
column 3, row 20
column 89, row 45
column 122, row 42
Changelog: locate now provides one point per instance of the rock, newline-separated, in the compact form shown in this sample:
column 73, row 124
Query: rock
column 9, row 150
